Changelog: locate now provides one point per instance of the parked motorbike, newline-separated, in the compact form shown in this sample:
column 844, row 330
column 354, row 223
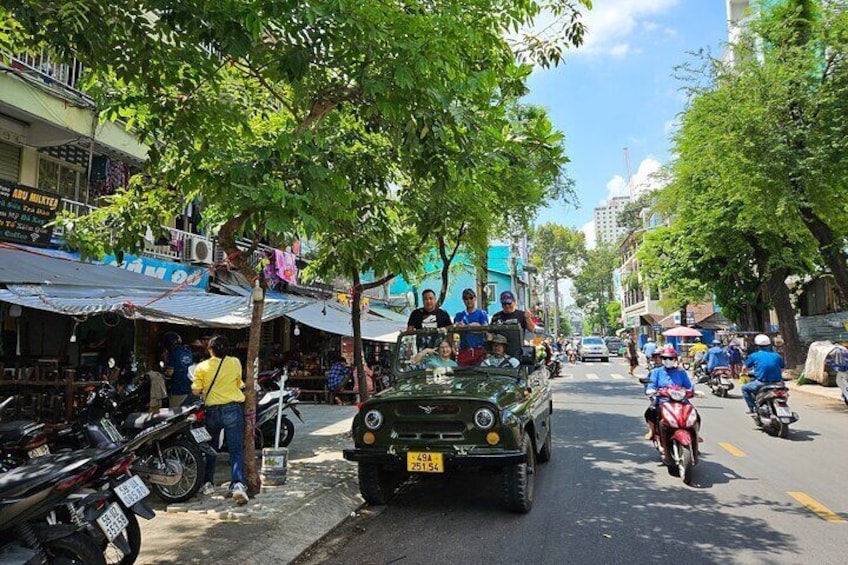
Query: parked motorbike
column 171, row 455
column 677, row 431
column 20, row 440
column 555, row 366
column 29, row 493
column 771, row 409
column 719, row 381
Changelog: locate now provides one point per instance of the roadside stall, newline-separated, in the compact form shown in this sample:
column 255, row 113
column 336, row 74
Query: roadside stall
column 63, row 319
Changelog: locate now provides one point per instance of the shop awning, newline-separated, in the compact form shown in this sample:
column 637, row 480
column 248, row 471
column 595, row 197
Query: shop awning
column 75, row 288
column 189, row 307
column 333, row 318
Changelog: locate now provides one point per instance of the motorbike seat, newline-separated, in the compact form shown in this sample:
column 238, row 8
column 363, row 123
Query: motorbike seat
column 15, row 430
column 768, row 387
column 38, row 473
column 141, row 420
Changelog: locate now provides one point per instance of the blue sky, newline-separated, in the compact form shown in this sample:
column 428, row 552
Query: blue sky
column 618, row 91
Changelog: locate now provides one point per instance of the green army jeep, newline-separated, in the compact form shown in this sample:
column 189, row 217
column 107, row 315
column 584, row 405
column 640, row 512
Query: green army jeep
column 491, row 406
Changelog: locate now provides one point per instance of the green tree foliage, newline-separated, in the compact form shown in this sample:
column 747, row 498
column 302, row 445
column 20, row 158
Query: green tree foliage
column 614, row 316
column 630, row 215
column 593, row 290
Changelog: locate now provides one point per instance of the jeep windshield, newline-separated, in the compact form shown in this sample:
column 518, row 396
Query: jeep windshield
column 457, row 348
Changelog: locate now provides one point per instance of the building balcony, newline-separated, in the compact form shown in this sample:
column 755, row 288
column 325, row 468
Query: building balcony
column 47, row 70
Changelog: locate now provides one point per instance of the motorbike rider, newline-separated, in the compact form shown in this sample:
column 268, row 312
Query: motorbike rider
column 698, row 351
column 717, row 357
column 571, row 351
column 669, row 374
column 649, row 349
column 767, row 366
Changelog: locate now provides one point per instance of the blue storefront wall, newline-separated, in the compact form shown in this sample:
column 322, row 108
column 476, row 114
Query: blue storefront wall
column 462, row 276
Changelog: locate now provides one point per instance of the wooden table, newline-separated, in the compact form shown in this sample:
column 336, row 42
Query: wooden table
column 68, row 383
column 314, row 385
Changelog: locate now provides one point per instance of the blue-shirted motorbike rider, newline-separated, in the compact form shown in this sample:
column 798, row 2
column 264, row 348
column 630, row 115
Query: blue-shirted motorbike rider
column 667, row 375
column 717, row 357
column 768, row 369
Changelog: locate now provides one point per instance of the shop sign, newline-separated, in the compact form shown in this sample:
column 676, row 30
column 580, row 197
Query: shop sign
column 164, row 270
column 25, row 213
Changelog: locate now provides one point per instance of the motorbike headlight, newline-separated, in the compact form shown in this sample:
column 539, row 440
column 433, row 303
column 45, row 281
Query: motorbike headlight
column 484, row 418
column 677, row 394
column 373, row 420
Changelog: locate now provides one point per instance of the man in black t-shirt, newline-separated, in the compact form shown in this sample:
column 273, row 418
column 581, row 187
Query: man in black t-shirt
column 511, row 315
column 428, row 317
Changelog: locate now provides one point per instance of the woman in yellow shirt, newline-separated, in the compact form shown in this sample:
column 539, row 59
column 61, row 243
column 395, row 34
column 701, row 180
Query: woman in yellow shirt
column 218, row 381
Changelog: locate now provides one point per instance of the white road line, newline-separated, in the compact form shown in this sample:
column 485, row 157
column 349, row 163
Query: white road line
column 592, row 376
column 617, row 376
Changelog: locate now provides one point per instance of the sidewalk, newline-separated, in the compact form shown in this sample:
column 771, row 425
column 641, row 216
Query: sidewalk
column 832, row 392
column 279, row 523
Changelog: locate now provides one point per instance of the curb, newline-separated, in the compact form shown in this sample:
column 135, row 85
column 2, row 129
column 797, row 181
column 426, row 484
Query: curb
column 831, row 393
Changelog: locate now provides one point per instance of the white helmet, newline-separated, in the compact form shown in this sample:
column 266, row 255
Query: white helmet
column 762, row 340
column 650, row 339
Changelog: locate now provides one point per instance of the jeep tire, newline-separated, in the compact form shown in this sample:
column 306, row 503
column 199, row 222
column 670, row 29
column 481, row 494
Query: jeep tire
column 375, row 484
column 546, row 451
column 520, row 480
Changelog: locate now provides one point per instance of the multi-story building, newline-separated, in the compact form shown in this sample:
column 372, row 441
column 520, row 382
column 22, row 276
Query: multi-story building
column 607, row 228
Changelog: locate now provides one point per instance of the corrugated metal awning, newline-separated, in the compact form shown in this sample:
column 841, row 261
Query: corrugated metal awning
column 189, row 307
column 332, row 318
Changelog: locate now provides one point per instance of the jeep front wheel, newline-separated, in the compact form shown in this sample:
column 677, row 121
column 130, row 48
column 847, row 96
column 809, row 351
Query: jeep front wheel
column 375, row 484
column 520, row 480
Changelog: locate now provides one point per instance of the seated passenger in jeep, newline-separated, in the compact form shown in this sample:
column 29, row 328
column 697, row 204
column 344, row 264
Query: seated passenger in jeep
column 498, row 356
column 439, row 357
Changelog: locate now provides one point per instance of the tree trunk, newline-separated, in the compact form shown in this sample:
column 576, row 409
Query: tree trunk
column 683, row 315
column 446, row 262
column 356, row 320
column 831, row 250
column 251, row 471
column 238, row 259
column 483, row 280
column 779, row 293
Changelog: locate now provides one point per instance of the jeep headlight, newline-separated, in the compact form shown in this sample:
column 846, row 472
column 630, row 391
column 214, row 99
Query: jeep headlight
column 484, row 418
column 373, row 419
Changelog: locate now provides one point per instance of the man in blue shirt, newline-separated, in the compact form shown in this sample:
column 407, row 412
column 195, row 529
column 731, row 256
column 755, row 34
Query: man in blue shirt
column 177, row 361
column 717, row 357
column 471, row 350
column 768, row 369
column 667, row 375
column 649, row 349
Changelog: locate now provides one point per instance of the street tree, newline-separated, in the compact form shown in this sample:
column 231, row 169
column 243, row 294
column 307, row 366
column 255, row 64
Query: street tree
column 241, row 106
column 558, row 252
column 593, row 285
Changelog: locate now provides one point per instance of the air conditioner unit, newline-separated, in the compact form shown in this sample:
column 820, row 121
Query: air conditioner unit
column 200, row 251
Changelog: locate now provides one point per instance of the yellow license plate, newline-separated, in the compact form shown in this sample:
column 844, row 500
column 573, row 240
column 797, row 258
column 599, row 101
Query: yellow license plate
column 424, row 462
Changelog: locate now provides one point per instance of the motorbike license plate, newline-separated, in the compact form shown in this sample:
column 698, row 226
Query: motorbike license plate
column 424, row 462
column 724, row 381
column 131, row 491
column 200, row 435
column 113, row 521
column 38, row 452
column 783, row 411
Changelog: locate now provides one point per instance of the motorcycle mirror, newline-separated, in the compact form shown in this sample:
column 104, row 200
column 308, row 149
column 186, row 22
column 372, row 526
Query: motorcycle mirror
column 111, row 363
column 644, row 380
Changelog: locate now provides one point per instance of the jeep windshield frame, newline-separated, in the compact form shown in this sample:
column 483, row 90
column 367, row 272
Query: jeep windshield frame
column 470, row 345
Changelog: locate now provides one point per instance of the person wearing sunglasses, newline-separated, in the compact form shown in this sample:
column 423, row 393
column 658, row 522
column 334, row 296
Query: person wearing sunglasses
column 510, row 314
column 471, row 345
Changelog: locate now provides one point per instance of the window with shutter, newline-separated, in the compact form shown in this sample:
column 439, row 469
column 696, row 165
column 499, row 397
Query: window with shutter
column 10, row 162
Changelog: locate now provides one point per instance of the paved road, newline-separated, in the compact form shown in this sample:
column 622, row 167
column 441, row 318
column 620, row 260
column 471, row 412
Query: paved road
column 605, row 497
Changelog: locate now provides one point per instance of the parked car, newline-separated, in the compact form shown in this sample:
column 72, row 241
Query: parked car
column 592, row 347
column 439, row 417
column 613, row 343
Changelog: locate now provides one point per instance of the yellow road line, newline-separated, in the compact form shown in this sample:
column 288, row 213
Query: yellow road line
column 732, row 449
column 820, row 509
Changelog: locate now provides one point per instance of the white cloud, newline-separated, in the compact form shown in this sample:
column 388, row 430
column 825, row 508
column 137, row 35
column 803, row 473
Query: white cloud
column 588, row 230
column 611, row 22
column 647, row 177
column 619, row 50
column 617, row 186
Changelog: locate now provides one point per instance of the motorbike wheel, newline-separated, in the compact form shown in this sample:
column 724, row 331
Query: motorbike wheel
column 75, row 549
column 684, row 466
column 722, row 392
column 193, row 461
column 845, row 399
column 113, row 555
column 782, row 430
column 286, row 432
column 520, row 480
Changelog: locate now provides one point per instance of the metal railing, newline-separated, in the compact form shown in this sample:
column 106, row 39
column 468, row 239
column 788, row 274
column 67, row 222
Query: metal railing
column 54, row 73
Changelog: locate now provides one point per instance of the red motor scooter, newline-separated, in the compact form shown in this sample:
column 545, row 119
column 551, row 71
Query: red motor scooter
column 677, row 431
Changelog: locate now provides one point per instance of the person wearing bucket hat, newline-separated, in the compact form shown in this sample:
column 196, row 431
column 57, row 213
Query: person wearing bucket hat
column 471, row 349
column 498, row 357
column 510, row 314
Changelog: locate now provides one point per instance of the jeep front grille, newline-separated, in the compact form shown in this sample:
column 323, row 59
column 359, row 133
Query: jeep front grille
column 429, row 430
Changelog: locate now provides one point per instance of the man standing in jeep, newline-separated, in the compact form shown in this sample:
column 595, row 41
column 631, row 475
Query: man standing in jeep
column 428, row 317
column 510, row 314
